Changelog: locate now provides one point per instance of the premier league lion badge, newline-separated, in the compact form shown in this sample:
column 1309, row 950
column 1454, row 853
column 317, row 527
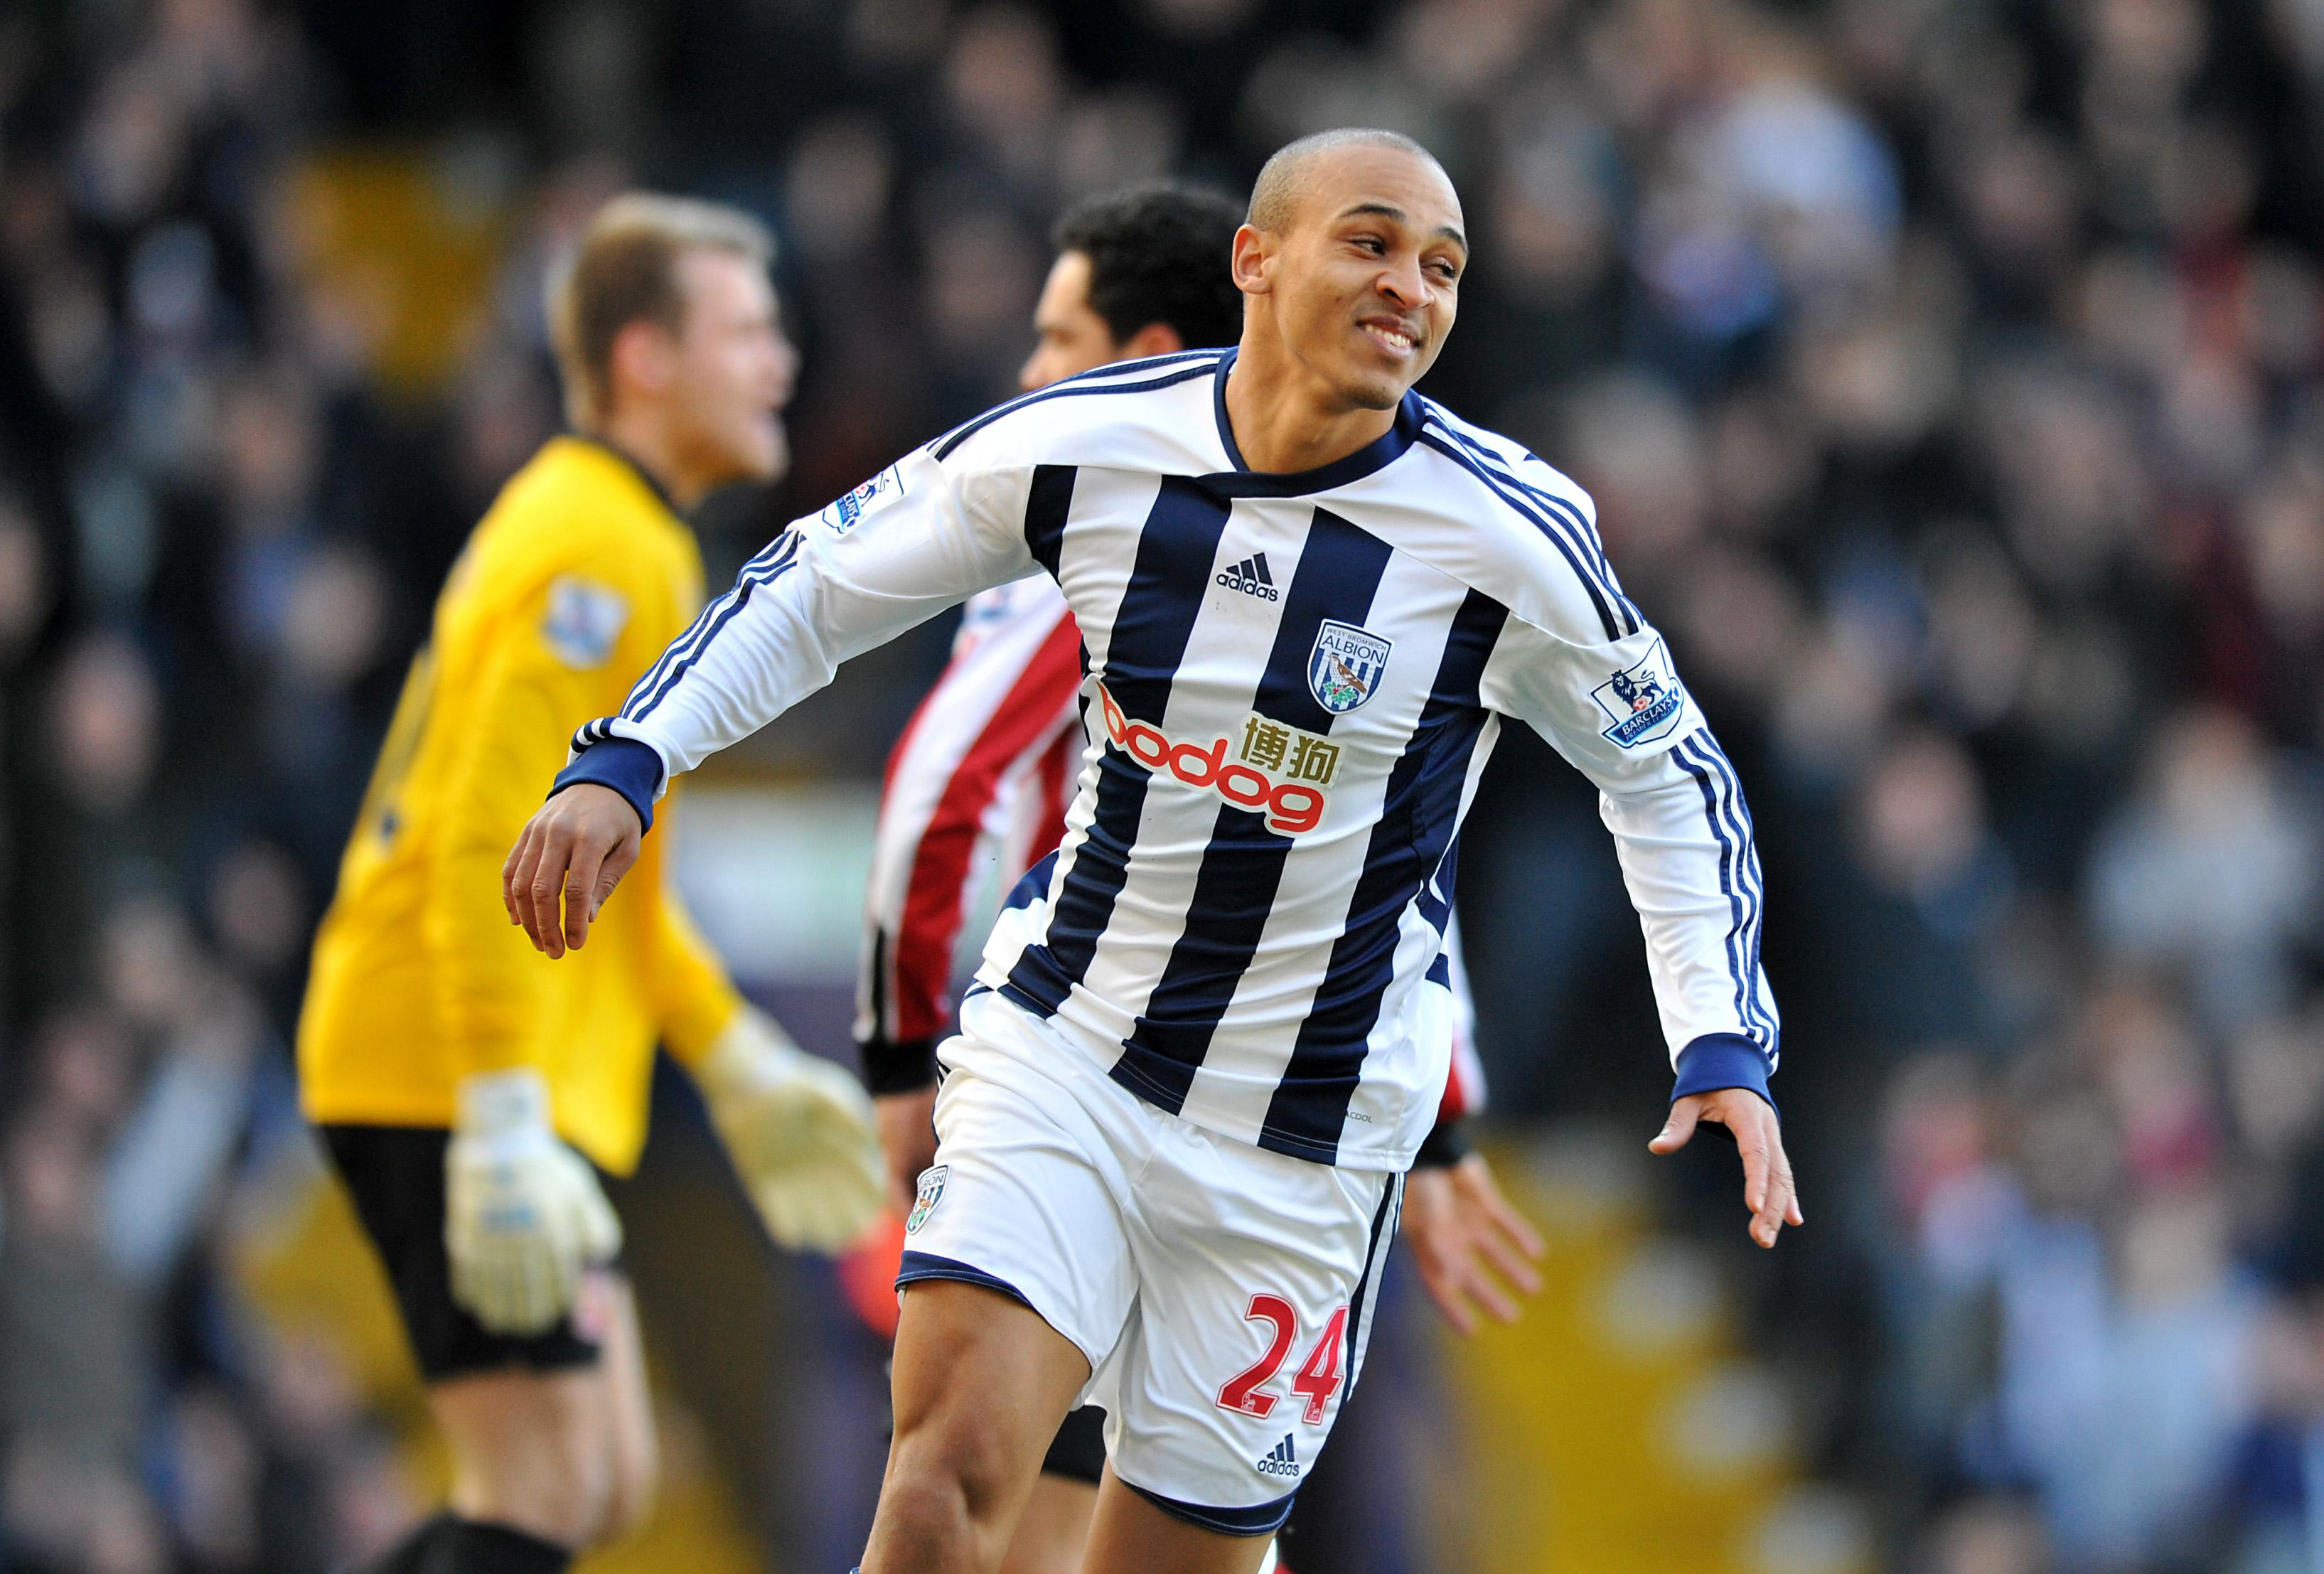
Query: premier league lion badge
column 1345, row 666
column 1643, row 702
column 932, row 1185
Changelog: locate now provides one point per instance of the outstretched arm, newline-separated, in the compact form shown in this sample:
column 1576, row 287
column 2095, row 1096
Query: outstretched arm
column 1615, row 708
column 920, row 536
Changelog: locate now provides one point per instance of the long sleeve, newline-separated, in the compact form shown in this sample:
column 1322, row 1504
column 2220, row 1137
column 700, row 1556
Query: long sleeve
column 1619, row 712
column 920, row 536
column 988, row 726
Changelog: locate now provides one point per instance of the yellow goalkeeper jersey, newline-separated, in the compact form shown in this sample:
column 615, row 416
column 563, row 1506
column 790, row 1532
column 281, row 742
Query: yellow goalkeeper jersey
column 572, row 584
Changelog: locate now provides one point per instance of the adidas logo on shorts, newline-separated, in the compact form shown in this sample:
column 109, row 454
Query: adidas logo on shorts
column 1251, row 578
column 1280, row 1461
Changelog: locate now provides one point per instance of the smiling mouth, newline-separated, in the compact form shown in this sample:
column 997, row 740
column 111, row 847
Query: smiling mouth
column 1392, row 337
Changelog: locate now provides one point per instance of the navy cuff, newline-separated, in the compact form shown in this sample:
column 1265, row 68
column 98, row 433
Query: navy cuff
column 630, row 768
column 1722, row 1060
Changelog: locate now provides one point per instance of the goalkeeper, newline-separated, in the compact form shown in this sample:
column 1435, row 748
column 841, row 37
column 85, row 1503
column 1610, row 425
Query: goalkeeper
column 469, row 1090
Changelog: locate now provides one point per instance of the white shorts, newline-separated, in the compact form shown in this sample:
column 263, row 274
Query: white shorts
column 1223, row 1293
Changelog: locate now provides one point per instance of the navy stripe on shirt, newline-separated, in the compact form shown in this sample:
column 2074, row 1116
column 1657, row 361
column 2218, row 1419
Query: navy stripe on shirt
column 1172, row 573
column 1047, row 500
column 1338, row 573
column 1701, row 750
column 1418, row 817
column 1729, row 884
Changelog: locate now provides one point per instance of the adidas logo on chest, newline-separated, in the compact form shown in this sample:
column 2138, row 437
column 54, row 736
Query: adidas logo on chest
column 1251, row 578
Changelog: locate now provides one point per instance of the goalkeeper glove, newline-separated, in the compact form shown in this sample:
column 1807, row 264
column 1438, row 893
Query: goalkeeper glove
column 523, row 1213
column 800, row 1131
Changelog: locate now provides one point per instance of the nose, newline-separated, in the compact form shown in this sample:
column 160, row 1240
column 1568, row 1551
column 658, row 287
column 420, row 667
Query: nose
column 1406, row 284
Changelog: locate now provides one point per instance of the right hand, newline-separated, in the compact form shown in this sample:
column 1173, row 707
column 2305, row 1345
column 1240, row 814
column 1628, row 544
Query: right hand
column 908, row 1135
column 523, row 1213
column 576, row 847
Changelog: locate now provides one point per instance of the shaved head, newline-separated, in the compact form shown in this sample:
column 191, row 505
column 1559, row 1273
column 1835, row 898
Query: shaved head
column 1284, row 179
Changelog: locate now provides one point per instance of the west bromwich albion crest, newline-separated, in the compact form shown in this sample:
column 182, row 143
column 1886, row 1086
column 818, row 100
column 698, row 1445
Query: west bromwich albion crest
column 1345, row 667
column 1642, row 703
column 932, row 1188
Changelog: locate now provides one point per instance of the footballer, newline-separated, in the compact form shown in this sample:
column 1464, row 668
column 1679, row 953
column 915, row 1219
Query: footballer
column 470, row 1093
column 995, row 749
column 1199, row 1057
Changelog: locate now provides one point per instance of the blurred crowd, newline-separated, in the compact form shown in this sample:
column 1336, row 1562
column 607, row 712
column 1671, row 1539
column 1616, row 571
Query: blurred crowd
column 1947, row 374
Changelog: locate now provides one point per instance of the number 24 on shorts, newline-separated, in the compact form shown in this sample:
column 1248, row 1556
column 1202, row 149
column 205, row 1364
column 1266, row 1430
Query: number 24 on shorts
column 1318, row 1377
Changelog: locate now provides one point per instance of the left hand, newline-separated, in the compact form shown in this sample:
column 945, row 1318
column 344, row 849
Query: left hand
column 1768, row 1188
column 800, row 1129
column 1461, row 1228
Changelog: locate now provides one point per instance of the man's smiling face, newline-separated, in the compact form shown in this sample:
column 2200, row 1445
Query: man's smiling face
column 1366, row 273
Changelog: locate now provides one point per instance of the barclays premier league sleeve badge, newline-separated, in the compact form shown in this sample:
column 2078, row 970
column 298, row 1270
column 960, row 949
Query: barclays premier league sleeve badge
column 848, row 509
column 932, row 1188
column 1642, row 703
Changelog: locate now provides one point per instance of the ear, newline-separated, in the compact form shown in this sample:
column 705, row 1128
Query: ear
column 645, row 359
column 1156, row 339
column 1251, row 260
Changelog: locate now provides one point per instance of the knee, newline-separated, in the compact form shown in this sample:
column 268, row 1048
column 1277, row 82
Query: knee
column 936, row 1492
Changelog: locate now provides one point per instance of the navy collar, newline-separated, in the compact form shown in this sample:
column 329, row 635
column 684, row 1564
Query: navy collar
column 653, row 482
column 1243, row 480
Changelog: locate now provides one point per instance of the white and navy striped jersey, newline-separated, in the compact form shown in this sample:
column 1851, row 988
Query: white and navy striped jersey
column 1293, row 683
column 991, row 757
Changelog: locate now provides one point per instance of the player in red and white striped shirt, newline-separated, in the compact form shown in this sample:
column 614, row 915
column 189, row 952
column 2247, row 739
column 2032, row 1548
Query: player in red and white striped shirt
column 991, row 758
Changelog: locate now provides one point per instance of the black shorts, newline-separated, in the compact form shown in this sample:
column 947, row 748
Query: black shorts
column 396, row 1176
column 1078, row 1454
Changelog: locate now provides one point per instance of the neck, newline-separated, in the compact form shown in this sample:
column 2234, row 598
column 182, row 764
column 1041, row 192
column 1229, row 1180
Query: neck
column 1286, row 418
column 636, row 433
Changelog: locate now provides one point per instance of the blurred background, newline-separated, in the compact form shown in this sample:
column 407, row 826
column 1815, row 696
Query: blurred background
column 1947, row 373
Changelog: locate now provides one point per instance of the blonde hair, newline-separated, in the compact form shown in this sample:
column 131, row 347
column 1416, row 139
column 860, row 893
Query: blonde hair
column 624, row 270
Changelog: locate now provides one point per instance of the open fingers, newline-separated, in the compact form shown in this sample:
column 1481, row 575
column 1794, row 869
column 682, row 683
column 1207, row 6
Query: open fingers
column 1492, row 1295
column 1506, row 1220
column 1510, row 1255
column 1442, row 1281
